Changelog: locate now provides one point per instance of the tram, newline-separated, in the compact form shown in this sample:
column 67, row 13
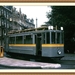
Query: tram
column 40, row 41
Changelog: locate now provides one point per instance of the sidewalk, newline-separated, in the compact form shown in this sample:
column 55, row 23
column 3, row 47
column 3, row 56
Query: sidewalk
column 27, row 64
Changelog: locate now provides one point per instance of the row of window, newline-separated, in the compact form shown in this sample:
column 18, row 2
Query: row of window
column 46, row 38
column 5, row 13
column 4, row 17
column 5, row 23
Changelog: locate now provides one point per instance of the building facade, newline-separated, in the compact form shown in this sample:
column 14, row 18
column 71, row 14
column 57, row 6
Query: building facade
column 20, row 20
column 5, row 22
column 11, row 19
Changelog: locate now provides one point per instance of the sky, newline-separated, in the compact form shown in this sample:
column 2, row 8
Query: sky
column 34, row 12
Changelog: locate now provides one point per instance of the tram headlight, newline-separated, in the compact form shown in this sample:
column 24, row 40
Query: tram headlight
column 59, row 52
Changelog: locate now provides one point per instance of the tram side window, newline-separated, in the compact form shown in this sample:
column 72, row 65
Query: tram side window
column 19, row 40
column 12, row 40
column 28, row 39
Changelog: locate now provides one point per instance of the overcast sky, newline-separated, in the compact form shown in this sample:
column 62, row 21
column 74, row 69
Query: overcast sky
column 34, row 12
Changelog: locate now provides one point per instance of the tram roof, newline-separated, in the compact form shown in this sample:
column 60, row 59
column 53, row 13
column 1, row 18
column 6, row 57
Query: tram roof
column 40, row 29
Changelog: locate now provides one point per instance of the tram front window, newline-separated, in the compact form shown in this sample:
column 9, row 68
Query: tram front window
column 62, row 38
column 28, row 39
column 48, row 37
column 53, row 37
column 57, row 37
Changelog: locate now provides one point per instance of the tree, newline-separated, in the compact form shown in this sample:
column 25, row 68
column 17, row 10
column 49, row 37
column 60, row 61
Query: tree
column 61, row 15
column 64, row 16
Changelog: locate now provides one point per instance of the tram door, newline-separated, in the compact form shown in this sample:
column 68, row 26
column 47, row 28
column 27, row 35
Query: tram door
column 38, row 45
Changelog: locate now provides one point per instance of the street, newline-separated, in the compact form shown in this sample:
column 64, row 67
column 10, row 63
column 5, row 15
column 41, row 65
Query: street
column 67, row 62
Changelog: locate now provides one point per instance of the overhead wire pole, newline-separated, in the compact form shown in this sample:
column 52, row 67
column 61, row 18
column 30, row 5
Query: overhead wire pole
column 36, row 22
